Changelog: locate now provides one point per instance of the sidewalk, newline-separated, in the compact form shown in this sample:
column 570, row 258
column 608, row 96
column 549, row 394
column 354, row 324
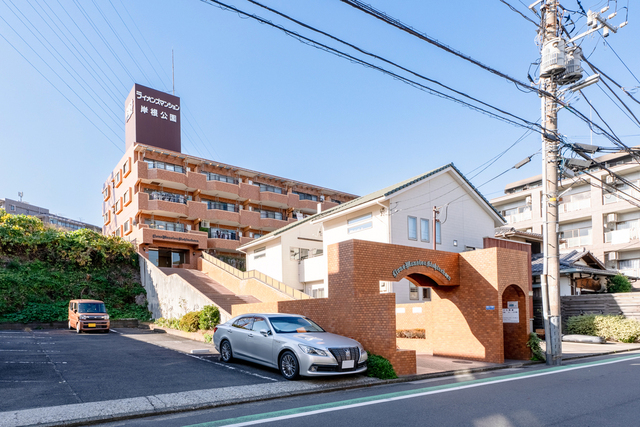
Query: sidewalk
column 112, row 410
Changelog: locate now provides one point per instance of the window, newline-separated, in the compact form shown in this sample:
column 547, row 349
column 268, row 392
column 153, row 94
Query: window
column 260, row 324
column 106, row 217
column 576, row 237
column 13, row 207
column 412, row 228
column 126, row 168
column 426, row 294
column 118, row 206
column 222, row 178
column 118, row 232
column 126, row 198
column 243, row 323
column 270, row 214
column 424, row 230
column 118, row 179
column 413, row 292
column 126, row 227
column 222, row 206
column 106, row 192
column 520, row 213
column 318, row 293
column 164, row 225
column 438, row 234
column 167, row 197
column 297, row 254
column 223, row 233
column 260, row 252
column 361, row 224
column 269, row 188
column 305, row 196
column 162, row 165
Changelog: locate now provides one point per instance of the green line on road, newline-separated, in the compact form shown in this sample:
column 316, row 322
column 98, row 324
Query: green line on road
column 400, row 395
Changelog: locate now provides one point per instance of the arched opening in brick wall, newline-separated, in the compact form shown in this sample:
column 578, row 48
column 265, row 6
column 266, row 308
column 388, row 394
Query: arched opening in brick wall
column 514, row 323
column 421, row 280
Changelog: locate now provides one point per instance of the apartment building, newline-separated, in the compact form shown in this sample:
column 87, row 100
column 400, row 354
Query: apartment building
column 17, row 207
column 174, row 206
column 601, row 218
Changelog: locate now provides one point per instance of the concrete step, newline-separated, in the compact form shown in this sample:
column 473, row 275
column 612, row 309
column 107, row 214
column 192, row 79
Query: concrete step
column 215, row 291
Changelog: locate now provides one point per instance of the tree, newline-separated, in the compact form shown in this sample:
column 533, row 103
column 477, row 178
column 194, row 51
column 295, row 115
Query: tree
column 618, row 283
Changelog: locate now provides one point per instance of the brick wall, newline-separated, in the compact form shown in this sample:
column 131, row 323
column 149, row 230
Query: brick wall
column 456, row 319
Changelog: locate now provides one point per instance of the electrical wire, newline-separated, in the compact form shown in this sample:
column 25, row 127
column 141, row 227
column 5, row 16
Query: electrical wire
column 525, row 123
column 520, row 13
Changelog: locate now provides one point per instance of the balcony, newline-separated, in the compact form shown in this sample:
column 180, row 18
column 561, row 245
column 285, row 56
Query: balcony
column 575, row 242
column 223, row 244
column 574, row 206
column 245, row 240
column 222, row 216
column 621, row 236
column 519, row 217
column 250, row 218
column 272, row 223
column 267, row 198
column 249, row 191
column 147, row 202
column 328, row 205
column 312, row 269
column 156, row 174
column 295, row 202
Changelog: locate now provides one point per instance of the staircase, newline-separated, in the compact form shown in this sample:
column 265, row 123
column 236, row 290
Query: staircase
column 213, row 290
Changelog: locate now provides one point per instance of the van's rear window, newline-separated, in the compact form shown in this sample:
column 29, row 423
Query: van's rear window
column 91, row 307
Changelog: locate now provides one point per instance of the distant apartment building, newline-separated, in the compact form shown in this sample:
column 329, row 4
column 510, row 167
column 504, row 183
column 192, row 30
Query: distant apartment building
column 174, row 206
column 601, row 218
column 16, row 207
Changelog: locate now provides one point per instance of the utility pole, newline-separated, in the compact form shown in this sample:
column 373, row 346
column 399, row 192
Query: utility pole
column 550, row 156
column 433, row 226
column 560, row 65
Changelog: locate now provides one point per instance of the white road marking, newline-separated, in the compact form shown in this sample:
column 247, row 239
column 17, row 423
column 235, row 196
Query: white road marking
column 232, row 368
column 419, row 394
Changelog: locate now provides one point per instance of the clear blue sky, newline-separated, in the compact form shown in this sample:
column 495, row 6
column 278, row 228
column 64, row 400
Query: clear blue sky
column 256, row 98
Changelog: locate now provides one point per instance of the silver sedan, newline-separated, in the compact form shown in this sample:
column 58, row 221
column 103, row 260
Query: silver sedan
column 291, row 343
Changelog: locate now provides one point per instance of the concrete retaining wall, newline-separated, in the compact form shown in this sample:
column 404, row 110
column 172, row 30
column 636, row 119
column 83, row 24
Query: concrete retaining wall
column 171, row 296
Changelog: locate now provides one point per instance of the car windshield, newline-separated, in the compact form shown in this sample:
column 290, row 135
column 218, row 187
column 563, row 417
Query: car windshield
column 290, row 325
column 91, row 307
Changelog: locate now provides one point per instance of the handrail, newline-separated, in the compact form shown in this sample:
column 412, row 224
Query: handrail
column 254, row 274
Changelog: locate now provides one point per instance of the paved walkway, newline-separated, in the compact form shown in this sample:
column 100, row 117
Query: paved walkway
column 428, row 367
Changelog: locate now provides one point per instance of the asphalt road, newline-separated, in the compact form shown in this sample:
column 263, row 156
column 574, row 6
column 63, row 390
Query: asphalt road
column 58, row 367
column 603, row 391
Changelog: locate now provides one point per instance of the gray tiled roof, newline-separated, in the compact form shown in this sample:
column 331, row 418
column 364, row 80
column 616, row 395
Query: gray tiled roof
column 568, row 264
column 386, row 192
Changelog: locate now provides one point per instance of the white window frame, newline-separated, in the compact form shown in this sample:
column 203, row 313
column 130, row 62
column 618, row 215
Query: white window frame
column 423, row 229
column 358, row 220
column 413, row 219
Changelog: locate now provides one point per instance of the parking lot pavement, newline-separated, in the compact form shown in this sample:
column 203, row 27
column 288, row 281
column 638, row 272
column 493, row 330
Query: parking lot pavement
column 58, row 367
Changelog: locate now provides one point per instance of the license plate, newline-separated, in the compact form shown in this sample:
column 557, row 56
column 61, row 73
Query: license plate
column 91, row 325
column 347, row 364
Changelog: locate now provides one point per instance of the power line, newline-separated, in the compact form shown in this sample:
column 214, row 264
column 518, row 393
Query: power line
column 520, row 13
column 623, row 63
column 527, row 124
column 56, row 88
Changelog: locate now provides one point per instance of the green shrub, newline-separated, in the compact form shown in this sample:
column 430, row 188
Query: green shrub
column 612, row 327
column 618, row 283
column 168, row 323
column 411, row 333
column 34, row 312
column 209, row 317
column 536, row 350
column 190, row 321
column 208, row 338
column 379, row 367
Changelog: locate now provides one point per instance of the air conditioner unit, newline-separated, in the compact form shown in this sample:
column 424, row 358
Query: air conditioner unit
column 610, row 179
column 611, row 218
column 250, row 182
column 322, row 198
column 204, row 224
column 528, row 200
column 612, row 256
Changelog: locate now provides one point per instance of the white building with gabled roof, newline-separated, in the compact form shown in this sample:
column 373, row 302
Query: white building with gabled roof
column 401, row 214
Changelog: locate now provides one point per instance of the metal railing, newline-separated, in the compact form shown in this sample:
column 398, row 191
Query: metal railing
column 253, row 274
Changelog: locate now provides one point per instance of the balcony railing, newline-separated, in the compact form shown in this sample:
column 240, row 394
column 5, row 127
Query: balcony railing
column 222, row 206
column 216, row 233
column 574, row 206
column 167, row 197
column 152, row 164
column 168, row 226
column 574, row 242
column 621, row 236
column 222, row 178
column 524, row 216
column 272, row 215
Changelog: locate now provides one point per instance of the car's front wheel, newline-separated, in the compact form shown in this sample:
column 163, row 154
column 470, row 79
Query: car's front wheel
column 78, row 330
column 289, row 367
column 226, row 354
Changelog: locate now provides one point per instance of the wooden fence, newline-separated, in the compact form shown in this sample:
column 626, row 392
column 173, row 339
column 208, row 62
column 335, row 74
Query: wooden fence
column 627, row 304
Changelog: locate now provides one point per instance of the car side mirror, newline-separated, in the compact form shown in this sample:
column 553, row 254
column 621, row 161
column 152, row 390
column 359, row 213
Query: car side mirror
column 75, row 311
column 265, row 333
